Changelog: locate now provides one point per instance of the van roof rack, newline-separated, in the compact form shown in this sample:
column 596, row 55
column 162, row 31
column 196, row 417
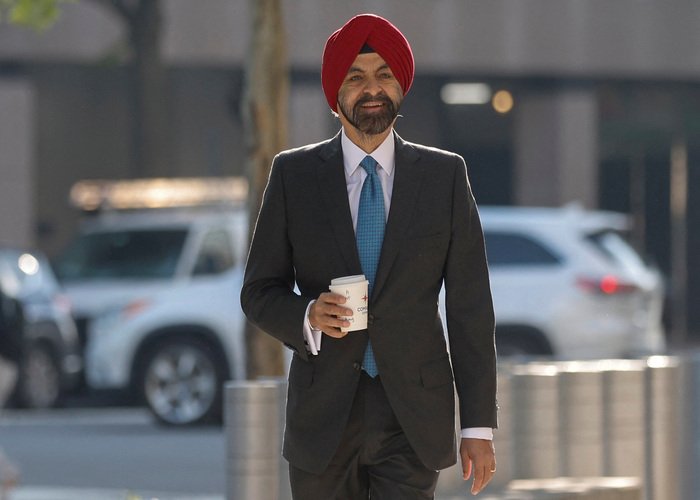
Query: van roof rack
column 152, row 193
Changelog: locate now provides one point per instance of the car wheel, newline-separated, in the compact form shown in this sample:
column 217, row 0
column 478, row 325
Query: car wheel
column 181, row 382
column 40, row 378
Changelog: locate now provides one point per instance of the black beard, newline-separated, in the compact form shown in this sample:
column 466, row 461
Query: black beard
column 374, row 123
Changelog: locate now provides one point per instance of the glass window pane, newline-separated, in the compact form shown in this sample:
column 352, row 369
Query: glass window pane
column 504, row 249
column 216, row 254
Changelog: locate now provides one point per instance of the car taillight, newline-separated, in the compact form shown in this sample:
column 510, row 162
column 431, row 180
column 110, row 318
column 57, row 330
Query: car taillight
column 607, row 285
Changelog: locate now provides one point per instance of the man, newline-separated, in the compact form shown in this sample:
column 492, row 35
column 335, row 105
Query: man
column 371, row 412
column 11, row 324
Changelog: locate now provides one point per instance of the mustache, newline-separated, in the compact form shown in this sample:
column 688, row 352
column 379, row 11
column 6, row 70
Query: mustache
column 366, row 98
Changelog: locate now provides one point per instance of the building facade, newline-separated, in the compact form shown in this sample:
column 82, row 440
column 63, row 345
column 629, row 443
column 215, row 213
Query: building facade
column 605, row 106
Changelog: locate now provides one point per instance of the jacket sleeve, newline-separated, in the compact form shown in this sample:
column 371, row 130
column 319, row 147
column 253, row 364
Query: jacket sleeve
column 267, row 296
column 469, row 307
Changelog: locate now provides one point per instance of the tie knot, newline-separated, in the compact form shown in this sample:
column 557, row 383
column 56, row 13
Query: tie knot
column 370, row 165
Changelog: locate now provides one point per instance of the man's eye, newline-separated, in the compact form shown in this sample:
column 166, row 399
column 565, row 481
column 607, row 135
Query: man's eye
column 355, row 78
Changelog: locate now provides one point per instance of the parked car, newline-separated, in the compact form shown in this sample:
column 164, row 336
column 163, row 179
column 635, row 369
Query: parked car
column 49, row 362
column 155, row 294
column 566, row 283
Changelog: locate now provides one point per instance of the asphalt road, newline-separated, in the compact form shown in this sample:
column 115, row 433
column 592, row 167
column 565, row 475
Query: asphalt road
column 111, row 454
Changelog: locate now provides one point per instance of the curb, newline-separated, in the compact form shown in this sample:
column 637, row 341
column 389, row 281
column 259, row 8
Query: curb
column 62, row 493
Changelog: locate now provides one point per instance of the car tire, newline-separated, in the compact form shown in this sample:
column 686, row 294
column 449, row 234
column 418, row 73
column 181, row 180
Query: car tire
column 39, row 381
column 181, row 382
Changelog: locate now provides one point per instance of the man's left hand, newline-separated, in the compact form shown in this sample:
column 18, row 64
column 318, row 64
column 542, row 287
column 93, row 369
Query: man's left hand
column 479, row 456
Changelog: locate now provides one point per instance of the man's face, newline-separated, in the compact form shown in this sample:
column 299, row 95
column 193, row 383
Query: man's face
column 370, row 96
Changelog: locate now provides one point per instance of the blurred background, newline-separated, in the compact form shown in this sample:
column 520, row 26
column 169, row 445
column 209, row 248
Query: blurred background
column 549, row 102
column 577, row 105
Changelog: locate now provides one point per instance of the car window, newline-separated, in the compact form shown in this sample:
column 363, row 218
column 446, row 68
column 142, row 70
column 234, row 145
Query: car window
column 128, row 254
column 613, row 247
column 512, row 249
column 216, row 253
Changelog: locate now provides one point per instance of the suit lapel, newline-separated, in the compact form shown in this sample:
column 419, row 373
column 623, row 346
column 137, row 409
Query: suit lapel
column 334, row 192
column 407, row 179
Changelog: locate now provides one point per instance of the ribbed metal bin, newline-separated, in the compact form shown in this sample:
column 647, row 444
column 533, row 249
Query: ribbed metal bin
column 592, row 488
column 553, row 418
column 254, row 420
column 581, row 418
column 503, row 436
column 535, row 424
column 624, row 403
column 690, row 462
column 665, row 403
column 451, row 483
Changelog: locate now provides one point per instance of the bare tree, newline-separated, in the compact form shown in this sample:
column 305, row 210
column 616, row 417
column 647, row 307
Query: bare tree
column 265, row 119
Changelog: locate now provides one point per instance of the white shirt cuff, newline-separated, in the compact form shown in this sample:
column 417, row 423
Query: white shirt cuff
column 478, row 433
column 311, row 335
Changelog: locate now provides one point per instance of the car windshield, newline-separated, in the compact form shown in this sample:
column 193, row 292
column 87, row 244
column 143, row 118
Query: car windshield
column 128, row 254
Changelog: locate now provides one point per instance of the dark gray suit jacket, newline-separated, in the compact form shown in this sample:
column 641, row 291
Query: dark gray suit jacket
column 304, row 235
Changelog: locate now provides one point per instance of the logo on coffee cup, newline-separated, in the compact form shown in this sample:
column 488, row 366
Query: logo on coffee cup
column 354, row 289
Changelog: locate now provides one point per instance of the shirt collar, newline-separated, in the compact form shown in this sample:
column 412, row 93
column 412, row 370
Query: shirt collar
column 353, row 155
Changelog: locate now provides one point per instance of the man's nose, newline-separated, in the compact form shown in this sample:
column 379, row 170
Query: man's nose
column 372, row 87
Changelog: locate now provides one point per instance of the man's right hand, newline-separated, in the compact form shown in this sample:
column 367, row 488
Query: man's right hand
column 325, row 313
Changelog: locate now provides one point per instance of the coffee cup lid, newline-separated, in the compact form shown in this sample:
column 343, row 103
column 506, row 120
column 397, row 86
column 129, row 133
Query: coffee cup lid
column 346, row 280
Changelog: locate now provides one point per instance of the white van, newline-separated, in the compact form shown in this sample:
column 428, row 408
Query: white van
column 155, row 296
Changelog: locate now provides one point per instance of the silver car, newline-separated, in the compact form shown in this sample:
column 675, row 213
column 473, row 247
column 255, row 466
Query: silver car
column 50, row 363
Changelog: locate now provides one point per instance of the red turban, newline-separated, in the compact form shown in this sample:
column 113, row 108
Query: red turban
column 343, row 46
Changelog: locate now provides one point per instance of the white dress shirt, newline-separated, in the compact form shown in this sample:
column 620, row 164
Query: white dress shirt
column 354, row 178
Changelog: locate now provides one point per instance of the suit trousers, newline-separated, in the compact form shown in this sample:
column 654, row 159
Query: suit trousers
column 374, row 459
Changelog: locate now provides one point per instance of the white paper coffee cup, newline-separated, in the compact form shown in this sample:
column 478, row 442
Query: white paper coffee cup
column 355, row 291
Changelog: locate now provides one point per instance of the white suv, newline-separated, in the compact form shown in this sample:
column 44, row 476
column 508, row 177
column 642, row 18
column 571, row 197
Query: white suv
column 565, row 283
column 155, row 294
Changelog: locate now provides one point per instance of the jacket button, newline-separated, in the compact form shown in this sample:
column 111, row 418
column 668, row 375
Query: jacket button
column 357, row 366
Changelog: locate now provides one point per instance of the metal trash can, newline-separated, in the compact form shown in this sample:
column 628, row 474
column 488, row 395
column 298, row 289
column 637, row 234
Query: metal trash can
column 665, row 402
column 581, row 418
column 690, row 451
column 624, row 403
column 503, row 436
column 451, row 483
column 583, row 488
column 254, row 421
column 535, row 421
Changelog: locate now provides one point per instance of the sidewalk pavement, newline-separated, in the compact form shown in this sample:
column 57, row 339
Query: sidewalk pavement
column 51, row 493
column 62, row 493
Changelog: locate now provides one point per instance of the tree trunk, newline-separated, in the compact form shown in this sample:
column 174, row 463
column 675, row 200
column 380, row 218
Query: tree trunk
column 265, row 120
column 148, row 93
column 147, row 96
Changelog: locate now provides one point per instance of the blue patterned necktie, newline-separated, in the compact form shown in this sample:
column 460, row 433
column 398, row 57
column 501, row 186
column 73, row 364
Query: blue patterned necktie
column 371, row 220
